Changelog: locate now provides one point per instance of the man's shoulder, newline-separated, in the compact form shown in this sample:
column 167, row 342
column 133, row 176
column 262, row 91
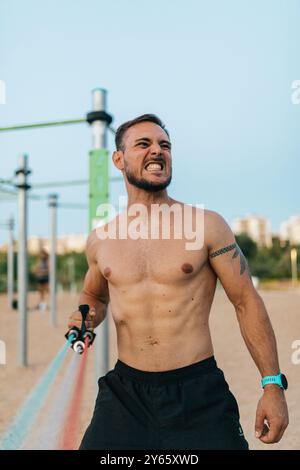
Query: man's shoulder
column 91, row 237
column 92, row 244
column 213, row 217
column 99, row 233
column 210, row 217
column 216, row 229
column 212, row 224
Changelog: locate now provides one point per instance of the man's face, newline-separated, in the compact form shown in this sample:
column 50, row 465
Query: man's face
column 147, row 157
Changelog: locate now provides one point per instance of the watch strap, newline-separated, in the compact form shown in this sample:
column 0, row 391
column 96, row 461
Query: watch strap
column 272, row 379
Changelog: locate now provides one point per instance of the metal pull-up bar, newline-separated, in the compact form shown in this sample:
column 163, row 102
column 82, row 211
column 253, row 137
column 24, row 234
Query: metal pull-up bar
column 91, row 117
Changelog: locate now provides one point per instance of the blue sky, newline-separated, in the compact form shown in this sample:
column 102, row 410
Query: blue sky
column 218, row 73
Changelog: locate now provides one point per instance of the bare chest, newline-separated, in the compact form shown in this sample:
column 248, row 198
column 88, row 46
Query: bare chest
column 162, row 261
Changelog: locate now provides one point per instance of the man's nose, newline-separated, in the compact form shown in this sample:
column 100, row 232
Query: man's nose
column 155, row 149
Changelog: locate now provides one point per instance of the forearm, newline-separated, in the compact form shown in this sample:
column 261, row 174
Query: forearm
column 94, row 302
column 258, row 335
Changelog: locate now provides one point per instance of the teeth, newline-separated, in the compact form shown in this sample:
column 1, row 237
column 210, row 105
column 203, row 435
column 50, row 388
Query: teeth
column 154, row 166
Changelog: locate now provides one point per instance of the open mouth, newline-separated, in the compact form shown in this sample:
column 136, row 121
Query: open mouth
column 154, row 166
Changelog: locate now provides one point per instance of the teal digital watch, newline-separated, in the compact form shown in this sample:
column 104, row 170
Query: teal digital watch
column 279, row 380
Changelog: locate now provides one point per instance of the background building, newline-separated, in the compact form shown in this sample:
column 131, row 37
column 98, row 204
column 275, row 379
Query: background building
column 65, row 244
column 290, row 230
column 256, row 227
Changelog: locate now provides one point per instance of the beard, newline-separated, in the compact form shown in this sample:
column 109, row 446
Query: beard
column 142, row 183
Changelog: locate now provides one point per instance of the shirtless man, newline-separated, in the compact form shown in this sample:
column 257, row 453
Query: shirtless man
column 166, row 391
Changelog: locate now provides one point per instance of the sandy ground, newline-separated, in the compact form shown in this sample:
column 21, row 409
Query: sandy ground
column 230, row 351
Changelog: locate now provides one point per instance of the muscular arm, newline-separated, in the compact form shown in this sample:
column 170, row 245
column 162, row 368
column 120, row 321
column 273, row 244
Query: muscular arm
column 95, row 289
column 230, row 265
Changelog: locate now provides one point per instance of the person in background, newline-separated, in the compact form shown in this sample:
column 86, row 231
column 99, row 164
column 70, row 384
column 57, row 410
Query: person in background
column 42, row 278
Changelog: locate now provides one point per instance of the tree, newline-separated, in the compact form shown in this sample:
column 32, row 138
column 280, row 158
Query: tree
column 247, row 245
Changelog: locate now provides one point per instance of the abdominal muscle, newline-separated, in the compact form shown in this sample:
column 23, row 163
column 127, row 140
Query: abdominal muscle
column 159, row 328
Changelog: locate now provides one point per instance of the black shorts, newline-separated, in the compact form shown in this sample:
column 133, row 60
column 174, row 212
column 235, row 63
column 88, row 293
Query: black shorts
column 42, row 280
column 186, row 408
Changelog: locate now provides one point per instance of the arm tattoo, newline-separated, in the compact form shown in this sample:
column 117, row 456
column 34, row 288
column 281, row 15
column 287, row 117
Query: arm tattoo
column 223, row 250
column 237, row 252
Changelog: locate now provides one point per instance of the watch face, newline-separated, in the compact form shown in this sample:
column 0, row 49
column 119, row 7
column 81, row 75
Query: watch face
column 284, row 381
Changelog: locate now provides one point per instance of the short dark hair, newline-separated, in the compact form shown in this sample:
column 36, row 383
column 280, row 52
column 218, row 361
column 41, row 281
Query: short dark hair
column 143, row 118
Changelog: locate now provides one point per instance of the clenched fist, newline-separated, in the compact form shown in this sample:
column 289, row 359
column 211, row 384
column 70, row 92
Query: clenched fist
column 75, row 319
column 271, row 408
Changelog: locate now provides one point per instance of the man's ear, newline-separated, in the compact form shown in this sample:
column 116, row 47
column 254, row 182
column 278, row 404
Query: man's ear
column 118, row 159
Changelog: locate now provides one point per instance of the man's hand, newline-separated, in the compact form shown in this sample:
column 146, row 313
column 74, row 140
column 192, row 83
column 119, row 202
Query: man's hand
column 271, row 407
column 75, row 319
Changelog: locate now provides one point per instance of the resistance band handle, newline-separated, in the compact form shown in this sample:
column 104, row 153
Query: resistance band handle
column 84, row 310
column 78, row 336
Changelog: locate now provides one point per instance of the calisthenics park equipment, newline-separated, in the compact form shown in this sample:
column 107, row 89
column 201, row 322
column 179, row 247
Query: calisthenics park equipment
column 100, row 121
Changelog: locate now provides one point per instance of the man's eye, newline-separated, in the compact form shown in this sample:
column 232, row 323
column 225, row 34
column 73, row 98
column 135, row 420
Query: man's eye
column 144, row 144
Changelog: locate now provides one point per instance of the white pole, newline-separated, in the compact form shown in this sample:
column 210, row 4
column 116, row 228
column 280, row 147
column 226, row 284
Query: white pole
column 71, row 275
column 294, row 266
column 10, row 262
column 52, row 265
column 99, row 133
column 22, row 186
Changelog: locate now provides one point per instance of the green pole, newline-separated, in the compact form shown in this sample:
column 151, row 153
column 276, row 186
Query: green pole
column 98, row 183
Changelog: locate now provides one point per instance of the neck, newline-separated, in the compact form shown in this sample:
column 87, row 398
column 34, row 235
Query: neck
column 140, row 196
